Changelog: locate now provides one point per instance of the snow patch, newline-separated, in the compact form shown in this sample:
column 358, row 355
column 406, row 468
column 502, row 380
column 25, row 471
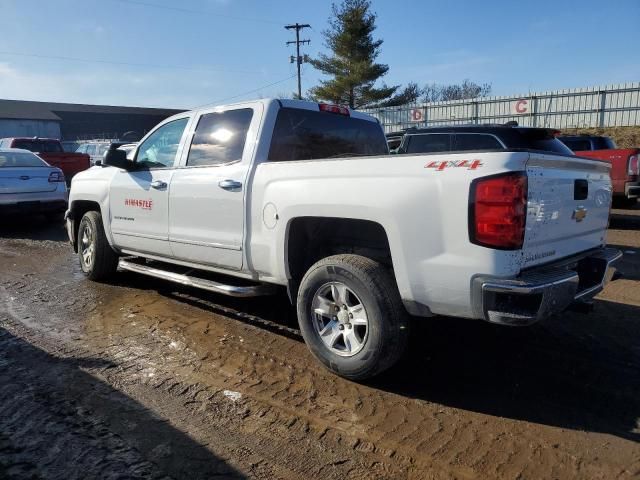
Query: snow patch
column 231, row 395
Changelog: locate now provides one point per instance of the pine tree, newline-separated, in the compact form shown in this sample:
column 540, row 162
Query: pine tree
column 352, row 63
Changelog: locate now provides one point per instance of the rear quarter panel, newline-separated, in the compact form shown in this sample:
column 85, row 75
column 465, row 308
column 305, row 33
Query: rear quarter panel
column 423, row 209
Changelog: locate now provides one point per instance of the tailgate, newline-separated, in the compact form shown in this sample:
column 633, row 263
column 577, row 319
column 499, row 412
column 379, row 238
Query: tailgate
column 69, row 163
column 568, row 207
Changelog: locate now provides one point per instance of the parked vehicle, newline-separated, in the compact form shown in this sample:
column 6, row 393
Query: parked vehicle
column 69, row 145
column 462, row 138
column 29, row 185
column 625, row 164
column 394, row 140
column 97, row 149
column 50, row 150
column 248, row 198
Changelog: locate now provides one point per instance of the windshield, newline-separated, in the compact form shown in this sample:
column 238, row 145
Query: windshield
column 305, row 135
column 20, row 159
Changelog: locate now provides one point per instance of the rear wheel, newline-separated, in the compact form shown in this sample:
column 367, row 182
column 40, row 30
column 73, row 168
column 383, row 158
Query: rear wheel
column 97, row 259
column 351, row 316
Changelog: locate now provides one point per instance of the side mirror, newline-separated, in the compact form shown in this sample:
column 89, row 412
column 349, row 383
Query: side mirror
column 117, row 158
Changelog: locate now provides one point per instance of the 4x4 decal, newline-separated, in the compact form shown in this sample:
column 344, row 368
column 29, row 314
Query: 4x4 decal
column 468, row 164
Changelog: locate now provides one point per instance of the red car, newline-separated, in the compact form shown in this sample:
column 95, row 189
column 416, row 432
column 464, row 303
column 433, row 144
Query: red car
column 51, row 151
column 625, row 168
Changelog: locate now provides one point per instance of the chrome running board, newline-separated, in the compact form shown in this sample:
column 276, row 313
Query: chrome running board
column 202, row 283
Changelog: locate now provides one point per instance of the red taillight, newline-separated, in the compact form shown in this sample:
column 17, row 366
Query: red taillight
column 340, row 110
column 633, row 167
column 56, row 177
column 498, row 211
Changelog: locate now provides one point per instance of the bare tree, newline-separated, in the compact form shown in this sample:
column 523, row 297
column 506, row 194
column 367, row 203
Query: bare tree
column 462, row 91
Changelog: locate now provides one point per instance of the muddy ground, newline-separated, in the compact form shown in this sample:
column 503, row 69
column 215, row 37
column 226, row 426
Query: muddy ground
column 144, row 379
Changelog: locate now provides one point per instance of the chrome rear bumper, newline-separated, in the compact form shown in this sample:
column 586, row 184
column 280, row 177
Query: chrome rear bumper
column 632, row 189
column 542, row 292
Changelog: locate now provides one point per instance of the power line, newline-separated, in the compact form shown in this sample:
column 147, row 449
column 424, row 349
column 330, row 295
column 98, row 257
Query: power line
column 195, row 12
column 248, row 92
column 298, row 60
column 130, row 64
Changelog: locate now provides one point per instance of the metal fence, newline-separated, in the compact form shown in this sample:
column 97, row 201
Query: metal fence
column 606, row 106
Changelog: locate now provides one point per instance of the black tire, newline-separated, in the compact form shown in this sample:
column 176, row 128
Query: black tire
column 375, row 288
column 101, row 262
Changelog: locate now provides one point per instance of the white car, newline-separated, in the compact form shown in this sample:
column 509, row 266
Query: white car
column 28, row 184
column 305, row 196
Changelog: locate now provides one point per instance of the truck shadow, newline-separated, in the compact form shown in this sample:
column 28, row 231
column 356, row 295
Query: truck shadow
column 627, row 219
column 619, row 221
column 629, row 267
column 33, row 227
column 47, row 402
column 574, row 371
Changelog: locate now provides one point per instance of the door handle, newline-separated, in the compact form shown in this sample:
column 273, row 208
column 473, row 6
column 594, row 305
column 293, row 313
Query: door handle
column 158, row 184
column 230, row 185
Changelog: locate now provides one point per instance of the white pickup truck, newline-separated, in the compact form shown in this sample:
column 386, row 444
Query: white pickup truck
column 248, row 198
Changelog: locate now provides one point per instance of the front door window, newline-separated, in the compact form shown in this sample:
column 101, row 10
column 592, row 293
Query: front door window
column 160, row 148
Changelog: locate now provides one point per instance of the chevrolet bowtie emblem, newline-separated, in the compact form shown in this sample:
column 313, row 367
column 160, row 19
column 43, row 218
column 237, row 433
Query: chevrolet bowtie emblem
column 579, row 214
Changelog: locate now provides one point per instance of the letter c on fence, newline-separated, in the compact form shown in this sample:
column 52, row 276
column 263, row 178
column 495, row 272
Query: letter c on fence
column 521, row 106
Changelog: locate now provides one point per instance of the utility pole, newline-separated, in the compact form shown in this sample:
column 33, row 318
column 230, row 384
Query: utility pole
column 298, row 59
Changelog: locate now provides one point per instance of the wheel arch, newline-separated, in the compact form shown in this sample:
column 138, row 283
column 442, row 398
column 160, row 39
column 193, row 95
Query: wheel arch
column 77, row 209
column 309, row 239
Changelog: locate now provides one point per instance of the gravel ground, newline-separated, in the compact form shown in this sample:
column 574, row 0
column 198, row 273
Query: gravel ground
column 143, row 379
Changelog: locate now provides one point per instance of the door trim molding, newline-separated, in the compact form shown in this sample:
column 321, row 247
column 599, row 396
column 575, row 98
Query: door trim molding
column 224, row 246
column 141, row 235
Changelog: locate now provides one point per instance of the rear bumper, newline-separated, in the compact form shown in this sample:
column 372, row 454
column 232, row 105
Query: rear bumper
column 540, row 293
column 632, row 189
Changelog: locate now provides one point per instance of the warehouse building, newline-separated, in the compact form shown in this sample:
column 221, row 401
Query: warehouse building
column 73, row 122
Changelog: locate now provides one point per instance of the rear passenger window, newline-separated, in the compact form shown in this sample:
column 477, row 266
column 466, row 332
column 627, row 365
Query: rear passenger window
column 220, row 137
column 429, row 142
column 476, row 141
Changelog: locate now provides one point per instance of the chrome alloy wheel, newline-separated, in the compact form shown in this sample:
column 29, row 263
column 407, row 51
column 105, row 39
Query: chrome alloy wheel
column 88, row 246
column 340, row 319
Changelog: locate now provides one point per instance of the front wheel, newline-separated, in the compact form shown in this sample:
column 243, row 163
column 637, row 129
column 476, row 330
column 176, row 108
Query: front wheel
column 97, row 259
column 351, row 316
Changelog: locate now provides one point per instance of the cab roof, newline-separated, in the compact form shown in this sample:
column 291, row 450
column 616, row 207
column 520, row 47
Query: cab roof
column 289, row 103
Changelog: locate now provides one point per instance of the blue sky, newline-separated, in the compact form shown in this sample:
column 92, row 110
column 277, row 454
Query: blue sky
column 169, row 53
